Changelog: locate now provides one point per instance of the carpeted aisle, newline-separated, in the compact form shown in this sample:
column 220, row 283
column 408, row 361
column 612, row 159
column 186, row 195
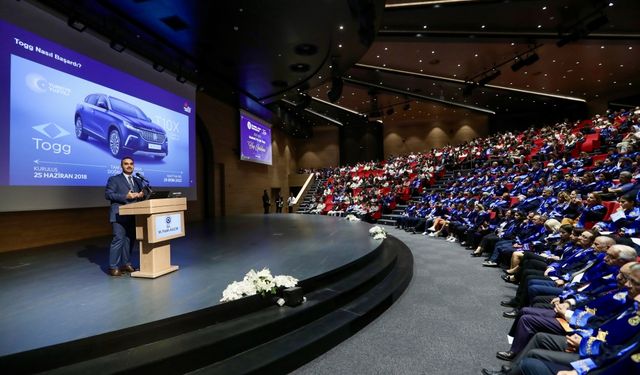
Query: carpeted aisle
column 448, row 321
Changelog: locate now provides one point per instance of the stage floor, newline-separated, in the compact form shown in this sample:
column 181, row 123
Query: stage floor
column 61, row 293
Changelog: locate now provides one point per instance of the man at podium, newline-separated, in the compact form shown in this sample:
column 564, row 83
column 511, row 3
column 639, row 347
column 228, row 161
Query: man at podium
column 123, row 188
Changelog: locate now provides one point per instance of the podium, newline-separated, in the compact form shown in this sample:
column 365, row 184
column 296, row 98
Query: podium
column 158, row 221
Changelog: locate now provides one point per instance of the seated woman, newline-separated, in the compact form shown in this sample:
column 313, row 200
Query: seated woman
column 625, row 222
column 592, row 212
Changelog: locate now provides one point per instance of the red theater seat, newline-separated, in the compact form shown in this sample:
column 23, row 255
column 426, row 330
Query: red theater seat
column 612, row 206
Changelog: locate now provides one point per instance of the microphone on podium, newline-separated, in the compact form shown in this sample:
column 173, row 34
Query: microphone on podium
column 146, row 186
column 141, row 177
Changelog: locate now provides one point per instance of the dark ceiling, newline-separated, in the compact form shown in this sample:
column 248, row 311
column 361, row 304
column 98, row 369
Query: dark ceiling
column 399, row 61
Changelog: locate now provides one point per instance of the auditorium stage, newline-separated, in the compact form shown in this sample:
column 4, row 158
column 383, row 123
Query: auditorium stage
column 60, row 293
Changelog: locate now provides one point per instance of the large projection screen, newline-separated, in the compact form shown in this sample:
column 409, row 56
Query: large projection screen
column 255, row 139
column 71, row 107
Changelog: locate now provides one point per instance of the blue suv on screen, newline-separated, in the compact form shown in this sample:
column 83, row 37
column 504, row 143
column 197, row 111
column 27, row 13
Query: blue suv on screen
column 124, row 127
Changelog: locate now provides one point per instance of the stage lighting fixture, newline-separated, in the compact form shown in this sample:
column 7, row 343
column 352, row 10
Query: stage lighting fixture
column 303, row 100
column 519, row 64
column 568, row 39
column 489, row 77
column 522, row 62
column 336, row 89
column 76, row 24
column 116, row 46
column 468, row 89
column 531, row 59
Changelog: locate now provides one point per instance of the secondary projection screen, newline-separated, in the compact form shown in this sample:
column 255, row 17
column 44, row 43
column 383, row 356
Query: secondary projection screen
column 67, row 119
column 255, row 139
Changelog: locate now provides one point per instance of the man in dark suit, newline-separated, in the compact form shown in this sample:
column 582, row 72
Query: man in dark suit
column 123, row 188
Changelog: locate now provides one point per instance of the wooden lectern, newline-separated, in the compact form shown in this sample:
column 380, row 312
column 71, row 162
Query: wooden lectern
column 157, row 222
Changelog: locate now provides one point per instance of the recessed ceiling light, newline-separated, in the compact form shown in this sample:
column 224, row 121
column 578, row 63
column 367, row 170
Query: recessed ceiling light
column 601, row 47
column 339, row 45
column 539, row 26
column 630, row 47
column 424, row 26
column 482, row 27
column 600, row 64
column 341, row 27
column 386, row 49
column 476, row 55
column 622, row 66
column 377, row 56
column 458, row 65
column 544, row 8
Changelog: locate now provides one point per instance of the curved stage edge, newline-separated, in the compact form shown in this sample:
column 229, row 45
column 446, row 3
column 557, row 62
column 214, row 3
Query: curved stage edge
column 61, row 313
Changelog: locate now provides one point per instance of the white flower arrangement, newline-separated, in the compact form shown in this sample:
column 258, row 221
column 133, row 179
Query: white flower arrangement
column 378, row 233
column 261, row 282
column 351, row 217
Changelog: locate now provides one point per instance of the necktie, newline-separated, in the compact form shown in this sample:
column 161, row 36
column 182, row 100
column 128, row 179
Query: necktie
column 131, row 184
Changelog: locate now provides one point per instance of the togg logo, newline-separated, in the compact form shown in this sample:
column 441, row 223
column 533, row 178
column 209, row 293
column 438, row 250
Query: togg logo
column 168, row 220
column 52, row 131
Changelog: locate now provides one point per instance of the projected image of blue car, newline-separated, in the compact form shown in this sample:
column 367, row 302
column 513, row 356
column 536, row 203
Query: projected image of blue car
column 124, row 127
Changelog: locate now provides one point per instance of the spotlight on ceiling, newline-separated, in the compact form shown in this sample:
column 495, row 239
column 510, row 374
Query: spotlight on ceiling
column 117, row 46
column 158, row 67
column 489, row 77
column 76, row 24
column 336, row 89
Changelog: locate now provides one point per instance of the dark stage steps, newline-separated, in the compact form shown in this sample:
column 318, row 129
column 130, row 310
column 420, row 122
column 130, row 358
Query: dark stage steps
column 251, row 335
